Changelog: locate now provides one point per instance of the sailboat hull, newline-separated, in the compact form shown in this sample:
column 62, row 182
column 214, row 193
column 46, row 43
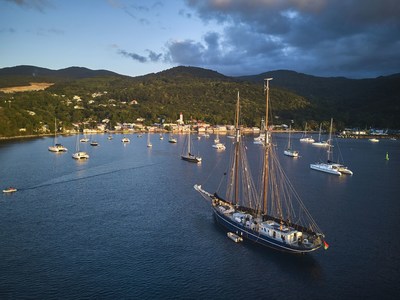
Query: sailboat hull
column 327, row 168
column 191, row 158
column 57, row 148
column 291, row 153
column 257, row 237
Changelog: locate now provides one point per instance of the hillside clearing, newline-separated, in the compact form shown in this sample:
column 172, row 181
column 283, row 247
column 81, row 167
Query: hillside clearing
column 33, row 86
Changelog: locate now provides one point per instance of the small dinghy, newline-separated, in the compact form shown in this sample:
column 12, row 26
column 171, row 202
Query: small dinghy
column 234, row 237
column 10, row 190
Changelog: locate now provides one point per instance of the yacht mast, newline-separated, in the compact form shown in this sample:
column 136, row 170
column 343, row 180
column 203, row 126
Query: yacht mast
column 266, row 148
column 329, row 141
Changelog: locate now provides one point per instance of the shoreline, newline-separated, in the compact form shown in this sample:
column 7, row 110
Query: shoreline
column 32, row 136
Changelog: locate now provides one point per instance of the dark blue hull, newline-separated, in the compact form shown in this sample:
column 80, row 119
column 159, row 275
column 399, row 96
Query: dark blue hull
column 256, row 237
column 192, row 159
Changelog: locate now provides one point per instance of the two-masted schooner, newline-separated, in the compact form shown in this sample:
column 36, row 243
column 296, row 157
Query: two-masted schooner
column 273, row 214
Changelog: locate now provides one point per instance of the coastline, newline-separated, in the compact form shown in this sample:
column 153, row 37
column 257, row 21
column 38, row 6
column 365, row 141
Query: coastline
column 32, row 136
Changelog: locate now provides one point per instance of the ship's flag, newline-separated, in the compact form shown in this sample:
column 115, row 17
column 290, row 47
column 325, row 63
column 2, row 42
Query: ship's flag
column 326, row 246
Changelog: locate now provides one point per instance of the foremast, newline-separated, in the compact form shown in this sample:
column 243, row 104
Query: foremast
column 240, row 191
column 267, row 146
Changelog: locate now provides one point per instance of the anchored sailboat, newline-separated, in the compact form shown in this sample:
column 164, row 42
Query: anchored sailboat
column 305, row 138
column 79, row 154
column 149, row 144
column 289, row 151
column 57, row 147
column 330, row 166
column 187, row 151
column 320, row 143
column 274, row 215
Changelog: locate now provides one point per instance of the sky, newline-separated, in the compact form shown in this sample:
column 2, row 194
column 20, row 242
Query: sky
column 350, row 38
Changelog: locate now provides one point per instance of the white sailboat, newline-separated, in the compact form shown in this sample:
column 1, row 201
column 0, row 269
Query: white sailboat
column 172, row 139
column 57, row 147
column 330, row 166
column 216, row 140
column 217, row 144
column 320, row 143
column 85, row 139
column 259, row 140
column 269, row 215
column 187, row 151
column 149, row 144
column 289, row 151
column 305, row 138
column 79, row 154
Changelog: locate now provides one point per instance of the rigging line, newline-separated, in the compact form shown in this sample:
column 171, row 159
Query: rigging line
column 340, row 156
column 212, row 172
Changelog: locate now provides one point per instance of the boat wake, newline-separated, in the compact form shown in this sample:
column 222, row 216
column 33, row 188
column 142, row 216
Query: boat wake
column 87, row 174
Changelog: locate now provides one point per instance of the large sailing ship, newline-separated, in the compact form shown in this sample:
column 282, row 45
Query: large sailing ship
column 273, row 214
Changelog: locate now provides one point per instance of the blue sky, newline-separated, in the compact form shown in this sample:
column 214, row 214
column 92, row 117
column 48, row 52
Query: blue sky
column 355, row 39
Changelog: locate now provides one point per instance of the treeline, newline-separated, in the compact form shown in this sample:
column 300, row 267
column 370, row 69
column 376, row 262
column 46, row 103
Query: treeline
column 199, row 94
column 122, row 99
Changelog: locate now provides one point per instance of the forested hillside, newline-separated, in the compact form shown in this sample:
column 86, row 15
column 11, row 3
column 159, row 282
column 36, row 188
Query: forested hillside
column 83, row 95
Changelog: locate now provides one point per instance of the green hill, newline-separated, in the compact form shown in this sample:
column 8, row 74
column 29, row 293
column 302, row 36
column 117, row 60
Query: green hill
column 356, row 102
column 198, row 93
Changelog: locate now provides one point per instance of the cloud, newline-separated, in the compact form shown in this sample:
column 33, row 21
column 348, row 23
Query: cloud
column 327, row 37
column 47, row 31
column 186, row 52
column 134, row 56
column 8, row 30
column 40, row 5
column 154, row 57
column 151, row 57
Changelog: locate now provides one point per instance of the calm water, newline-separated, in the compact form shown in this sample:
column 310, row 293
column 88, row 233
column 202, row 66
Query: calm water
column 128, row 224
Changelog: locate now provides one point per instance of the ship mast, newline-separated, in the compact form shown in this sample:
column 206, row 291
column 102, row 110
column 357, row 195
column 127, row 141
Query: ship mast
column 266, row 148
column 329, row 141
column 237, row 137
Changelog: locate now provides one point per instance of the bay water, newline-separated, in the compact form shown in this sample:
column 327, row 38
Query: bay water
column 127, row 223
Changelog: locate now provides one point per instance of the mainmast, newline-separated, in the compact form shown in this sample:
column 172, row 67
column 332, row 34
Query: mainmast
column 237, row 137
column 266, row 147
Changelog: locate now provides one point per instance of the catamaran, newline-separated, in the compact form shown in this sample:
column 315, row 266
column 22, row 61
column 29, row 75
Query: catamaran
column 272, row 215
column 330, row 166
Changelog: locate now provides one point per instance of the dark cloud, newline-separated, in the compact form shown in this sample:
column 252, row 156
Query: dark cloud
column 154, row 57
column 151, row 57
column 134, row 56
column 187, row 52
column 323, row 37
